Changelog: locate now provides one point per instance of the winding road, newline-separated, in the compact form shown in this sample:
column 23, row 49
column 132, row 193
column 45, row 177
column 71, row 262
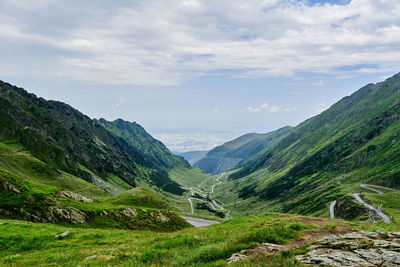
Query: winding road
column 214, row 205
column 368, row 187
column 384, row 217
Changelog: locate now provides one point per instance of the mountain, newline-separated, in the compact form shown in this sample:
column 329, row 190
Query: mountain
column 325, row 158
column 117, row 152
column 193, row 156
column 136, row 136
column 231, row 154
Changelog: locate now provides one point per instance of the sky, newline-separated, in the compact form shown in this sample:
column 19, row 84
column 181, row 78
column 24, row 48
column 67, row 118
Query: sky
column 198, row 73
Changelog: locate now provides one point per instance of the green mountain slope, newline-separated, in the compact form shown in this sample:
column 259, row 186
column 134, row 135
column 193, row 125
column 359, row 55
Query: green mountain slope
column 326, row 157
column 154, row 151
column 229, row 155
column 193, row 156
column 66, row 140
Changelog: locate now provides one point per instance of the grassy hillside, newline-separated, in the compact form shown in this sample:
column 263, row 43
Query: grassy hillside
column 66, row 140
column 136, row 136
column 326, row 157
column 231, row 154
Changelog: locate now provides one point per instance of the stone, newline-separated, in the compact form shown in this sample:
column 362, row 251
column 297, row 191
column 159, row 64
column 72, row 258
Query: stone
column 269, row 248
column 379, row 248
column 62, row 235
column 68, row 214
column 129, row 212
column 102, row 257
column 76, row 196
column 236, row 257
column 329, row 257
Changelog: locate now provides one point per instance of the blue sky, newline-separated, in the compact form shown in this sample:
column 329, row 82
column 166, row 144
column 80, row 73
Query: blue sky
column 198, row 73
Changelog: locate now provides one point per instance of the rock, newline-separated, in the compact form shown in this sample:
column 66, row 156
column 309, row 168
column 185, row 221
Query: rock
column 328, row 257
column 355, row 249
column 76, row 196
column 236, row 257
column 62, row 235
column 102, row 257
column 161, row 217
column 67, row 214
column 7, row 186
column 269, row 248
column 127, row 212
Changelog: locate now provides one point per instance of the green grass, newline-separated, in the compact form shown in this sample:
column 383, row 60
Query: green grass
column 140, row 197
column 207, row 246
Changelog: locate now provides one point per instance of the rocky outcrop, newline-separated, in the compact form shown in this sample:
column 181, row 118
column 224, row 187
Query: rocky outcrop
column 75, row 196
column 355, row 249
column 8, row 187
column 236, row 257
column 265, row 248
column 49, row 214
column 127, row 212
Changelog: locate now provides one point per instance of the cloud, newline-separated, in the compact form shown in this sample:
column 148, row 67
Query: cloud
column 216, row 110
column 275, row 108
column 267, row 107
column 289, row 109
column 165, row 42
column 258, row 109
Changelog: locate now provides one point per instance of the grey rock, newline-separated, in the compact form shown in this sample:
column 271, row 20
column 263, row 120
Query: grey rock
column 269, row 248
column 67, row 214
column 62, row 235
column 76, row 196
column 236, row 257
column 355, row 249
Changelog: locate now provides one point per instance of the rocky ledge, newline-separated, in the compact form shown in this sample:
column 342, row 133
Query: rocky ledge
column 379, row 248
column 355, row 249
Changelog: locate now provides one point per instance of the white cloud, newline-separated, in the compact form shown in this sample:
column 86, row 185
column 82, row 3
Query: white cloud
column 165, row 42
column 275, row 108
column 216, row 110
column 290, row 109
column 267, row 107
column 251, row 109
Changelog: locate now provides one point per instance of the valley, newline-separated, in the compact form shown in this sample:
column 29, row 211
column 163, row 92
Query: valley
column 98, row 188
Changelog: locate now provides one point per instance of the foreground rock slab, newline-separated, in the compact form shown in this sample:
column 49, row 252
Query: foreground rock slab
column 355, row 249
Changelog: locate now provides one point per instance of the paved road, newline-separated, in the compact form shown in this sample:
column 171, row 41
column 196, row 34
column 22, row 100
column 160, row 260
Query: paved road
column 214, row 205
column 385, row 218
column 199, row 222
column 332, row 209
column 368, row 186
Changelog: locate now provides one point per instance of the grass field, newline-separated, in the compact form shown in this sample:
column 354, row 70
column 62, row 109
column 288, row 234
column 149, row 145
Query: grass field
column 24, row 243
